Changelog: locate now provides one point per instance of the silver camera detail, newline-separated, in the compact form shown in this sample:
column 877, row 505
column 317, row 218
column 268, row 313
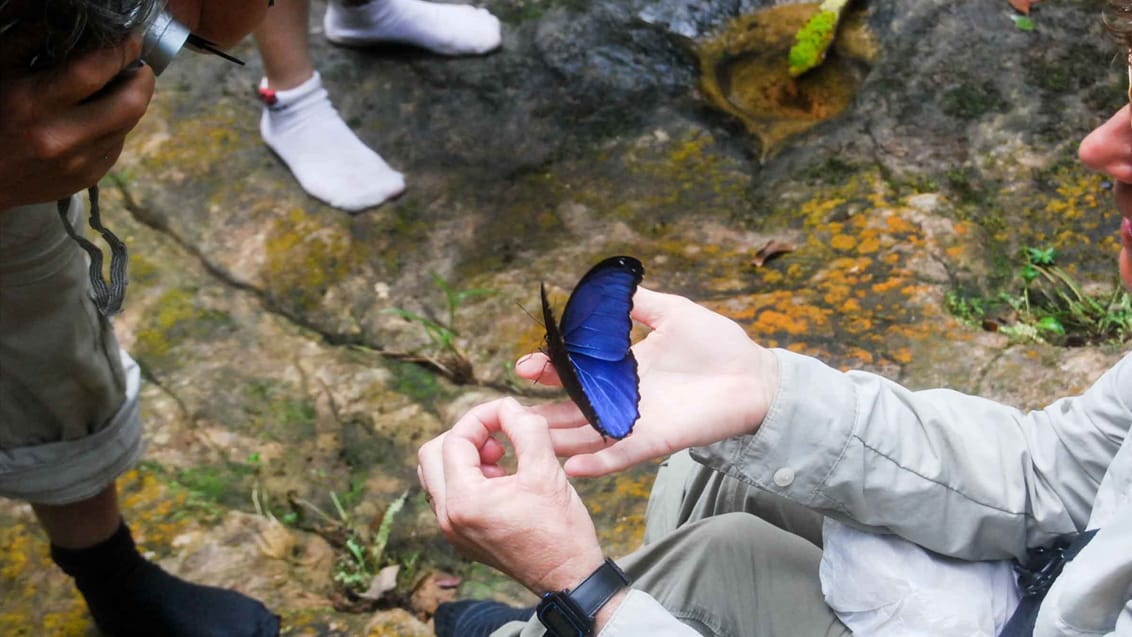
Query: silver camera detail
column 163, row 40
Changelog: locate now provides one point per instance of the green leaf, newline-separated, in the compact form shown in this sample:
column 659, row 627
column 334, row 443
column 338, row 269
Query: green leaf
column 811, row 42
column 1041, row 256
column 1024, row 23
column 1051, row 324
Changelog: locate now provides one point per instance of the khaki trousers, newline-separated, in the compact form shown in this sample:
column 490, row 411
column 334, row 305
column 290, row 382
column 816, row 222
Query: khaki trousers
column 725, row 558
column 69, row 420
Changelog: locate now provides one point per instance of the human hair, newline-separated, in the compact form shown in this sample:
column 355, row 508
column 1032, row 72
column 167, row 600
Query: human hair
column 1118, row 20
column 48, row 31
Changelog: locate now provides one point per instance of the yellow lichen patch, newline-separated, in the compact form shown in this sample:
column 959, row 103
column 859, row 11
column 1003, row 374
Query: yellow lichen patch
column 849, row 292
column 36, row 598
column 621, row 503
column 306, row 257
column 176, row 315
column 195, row 147
column 156, row 510
column 843, row 242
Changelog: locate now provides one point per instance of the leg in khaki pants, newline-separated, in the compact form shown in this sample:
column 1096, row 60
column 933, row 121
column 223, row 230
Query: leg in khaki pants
column 725, row 558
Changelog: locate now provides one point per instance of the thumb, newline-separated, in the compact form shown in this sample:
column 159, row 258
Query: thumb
column 651, row 307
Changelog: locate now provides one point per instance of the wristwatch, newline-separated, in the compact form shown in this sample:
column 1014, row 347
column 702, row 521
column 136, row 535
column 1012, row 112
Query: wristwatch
column 570, row 613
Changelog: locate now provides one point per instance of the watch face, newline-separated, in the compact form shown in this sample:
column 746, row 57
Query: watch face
column 558, row 620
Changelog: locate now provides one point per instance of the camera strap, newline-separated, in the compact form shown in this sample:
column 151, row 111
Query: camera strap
column 108, row 296
column 1043, row 565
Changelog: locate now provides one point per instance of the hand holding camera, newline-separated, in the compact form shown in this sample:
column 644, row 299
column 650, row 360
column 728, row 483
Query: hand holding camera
column 72, row 86
column 66, row 127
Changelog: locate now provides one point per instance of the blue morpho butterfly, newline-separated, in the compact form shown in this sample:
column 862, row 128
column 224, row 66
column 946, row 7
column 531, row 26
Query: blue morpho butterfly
column 590, row 347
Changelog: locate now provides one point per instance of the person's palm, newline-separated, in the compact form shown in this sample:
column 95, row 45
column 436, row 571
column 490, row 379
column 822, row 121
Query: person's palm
column 702, row 380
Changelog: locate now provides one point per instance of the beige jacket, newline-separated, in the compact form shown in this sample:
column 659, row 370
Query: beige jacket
column 957, row 474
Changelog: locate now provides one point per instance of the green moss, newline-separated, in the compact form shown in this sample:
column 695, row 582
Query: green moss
column 416, row 382
column 968, row 101
column 280, row 409
column 226, row 483
column 1061, row 70
column 141, row 270
column 305, row 258
column 177, row 317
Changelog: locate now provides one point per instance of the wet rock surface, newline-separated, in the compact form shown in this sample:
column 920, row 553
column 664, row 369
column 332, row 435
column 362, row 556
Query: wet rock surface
column 284, row 401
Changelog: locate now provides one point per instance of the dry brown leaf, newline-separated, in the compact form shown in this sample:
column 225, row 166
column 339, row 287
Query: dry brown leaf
column 434, row 589
column 772, row 250
column 382, row 583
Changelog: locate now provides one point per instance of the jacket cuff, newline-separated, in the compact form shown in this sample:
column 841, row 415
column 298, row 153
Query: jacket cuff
column 640, row 614
column 801, row 439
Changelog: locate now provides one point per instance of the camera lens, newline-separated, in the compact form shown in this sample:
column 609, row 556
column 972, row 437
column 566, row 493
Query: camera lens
column 164, row 38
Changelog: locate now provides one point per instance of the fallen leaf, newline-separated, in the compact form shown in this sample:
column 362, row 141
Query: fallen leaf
column 382, row 583
column 434, row 589
column 1021, row 6
column 772, row 250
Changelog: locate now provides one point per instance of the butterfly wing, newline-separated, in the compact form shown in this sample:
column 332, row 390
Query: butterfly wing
column 590, row 347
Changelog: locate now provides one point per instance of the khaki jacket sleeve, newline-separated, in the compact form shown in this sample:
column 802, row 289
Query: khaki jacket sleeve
column 958, row 474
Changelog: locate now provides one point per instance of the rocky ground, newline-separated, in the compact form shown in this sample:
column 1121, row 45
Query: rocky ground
column 285, row 393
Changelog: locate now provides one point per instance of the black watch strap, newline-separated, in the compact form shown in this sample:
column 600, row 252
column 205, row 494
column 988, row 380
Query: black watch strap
column 599, row 587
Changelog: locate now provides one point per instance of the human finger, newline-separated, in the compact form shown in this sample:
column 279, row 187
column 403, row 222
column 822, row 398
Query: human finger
column 561, row 415
column 460, row 449
column 492, row 451
column 579, row 440
column 88, row 73
column 616, row 457
column 530, row 436
column 537, row 367
column 651, row 307
column 83, row 141
column 114, row 112
column 430, row 473
column 490, row 455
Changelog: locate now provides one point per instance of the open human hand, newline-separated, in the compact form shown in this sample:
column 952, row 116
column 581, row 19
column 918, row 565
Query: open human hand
column 702, row 379
column 530, row 524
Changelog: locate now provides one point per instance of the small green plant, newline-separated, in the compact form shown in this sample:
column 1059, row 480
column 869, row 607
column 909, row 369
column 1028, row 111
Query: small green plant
column 361, row 554
column 446, row 355
column 1049, row 305
column 365, row 552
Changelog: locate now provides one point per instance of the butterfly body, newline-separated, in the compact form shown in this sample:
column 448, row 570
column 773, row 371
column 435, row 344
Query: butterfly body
column 589, row 348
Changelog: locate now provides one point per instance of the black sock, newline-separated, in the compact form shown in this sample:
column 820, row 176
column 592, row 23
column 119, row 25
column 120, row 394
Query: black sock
column 131, row 597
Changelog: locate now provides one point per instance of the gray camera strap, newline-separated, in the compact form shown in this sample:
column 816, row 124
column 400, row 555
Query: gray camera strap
column 108, row 296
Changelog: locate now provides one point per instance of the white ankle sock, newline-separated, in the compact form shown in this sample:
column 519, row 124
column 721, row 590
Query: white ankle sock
column 448, row 29
column 327, row 158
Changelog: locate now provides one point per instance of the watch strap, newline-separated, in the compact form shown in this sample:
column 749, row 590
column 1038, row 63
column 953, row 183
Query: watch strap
column 599, row 587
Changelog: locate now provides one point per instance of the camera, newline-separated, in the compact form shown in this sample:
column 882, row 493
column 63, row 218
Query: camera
column 164, row 37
